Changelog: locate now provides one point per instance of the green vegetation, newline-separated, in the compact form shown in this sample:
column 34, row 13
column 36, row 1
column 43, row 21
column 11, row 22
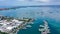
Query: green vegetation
column 25, row 19
column 11, row 18
column 7, row 18
column 3, row 32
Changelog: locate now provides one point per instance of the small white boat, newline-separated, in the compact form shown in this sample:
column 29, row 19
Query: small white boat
column 30, row 23
column 41, row 30
column 24, row 28
column 29, row 26
column 41, row 26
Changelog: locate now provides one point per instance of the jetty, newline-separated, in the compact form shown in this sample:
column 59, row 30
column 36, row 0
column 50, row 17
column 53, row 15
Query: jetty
column 44, row 29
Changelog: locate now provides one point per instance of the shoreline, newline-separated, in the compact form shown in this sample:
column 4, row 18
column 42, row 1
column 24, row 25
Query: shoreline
column 12, row 25
column 22, row 26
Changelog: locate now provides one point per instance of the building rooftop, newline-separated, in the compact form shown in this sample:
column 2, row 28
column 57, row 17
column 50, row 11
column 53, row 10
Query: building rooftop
column 7, row 26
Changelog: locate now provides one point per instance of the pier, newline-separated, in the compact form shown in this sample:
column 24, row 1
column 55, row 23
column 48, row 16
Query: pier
column 44, row 29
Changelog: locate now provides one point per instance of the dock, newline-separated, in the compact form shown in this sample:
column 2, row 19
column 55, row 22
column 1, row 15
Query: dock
column 44, row 29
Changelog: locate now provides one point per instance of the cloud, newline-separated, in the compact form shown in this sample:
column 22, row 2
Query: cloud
column 19, row 0
column 27, row 2
column 2, row 0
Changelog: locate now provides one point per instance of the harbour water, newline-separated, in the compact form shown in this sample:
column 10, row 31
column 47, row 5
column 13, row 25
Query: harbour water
column 51, row 14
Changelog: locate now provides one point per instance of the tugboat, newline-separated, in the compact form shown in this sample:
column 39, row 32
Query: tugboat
column 44, row 29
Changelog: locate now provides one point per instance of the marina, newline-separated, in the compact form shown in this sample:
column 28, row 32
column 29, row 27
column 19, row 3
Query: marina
column 44, row 29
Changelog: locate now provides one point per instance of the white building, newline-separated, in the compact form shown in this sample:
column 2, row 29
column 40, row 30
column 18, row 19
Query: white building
column 8, row 26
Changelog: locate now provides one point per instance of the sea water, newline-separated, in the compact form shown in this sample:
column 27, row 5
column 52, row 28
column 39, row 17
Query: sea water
column 51, row 14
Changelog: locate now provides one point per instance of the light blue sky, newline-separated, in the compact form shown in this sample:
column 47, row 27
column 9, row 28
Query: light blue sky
column 28, row 2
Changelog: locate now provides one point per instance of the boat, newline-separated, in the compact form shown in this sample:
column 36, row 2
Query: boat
column 28, row 26
column 41, row 28
column 30, row 23
column 24, row 28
